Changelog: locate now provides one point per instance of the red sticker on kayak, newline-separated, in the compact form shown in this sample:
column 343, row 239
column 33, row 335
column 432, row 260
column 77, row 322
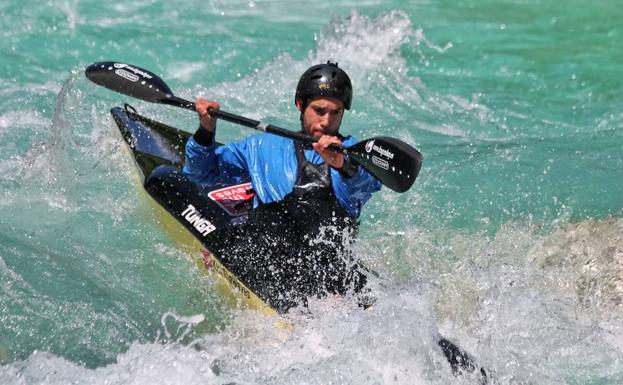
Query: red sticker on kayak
column 236, row 200
column 208, row 262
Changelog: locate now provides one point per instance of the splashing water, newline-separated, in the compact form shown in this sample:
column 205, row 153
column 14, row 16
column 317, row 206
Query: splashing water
column 509, row 244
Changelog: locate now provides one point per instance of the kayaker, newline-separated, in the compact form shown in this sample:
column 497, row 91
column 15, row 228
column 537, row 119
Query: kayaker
column 307, row 200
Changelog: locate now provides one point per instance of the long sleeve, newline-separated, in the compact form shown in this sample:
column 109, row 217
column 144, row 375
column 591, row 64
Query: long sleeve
column 354, row 192
column 212, row 164
column 269, row 162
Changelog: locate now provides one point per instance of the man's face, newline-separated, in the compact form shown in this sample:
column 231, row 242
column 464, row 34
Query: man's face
column 322, row 116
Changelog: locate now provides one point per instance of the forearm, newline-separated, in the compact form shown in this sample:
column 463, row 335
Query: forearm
column 349, row 168
column 354, row 191
column 200, row 165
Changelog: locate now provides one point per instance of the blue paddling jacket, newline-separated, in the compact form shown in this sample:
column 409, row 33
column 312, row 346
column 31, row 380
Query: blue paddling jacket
column 270, row 163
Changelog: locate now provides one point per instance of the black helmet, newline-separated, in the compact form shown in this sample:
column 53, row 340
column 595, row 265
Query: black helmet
column 325, row 80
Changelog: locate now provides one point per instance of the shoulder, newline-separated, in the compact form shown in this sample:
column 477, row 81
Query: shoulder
column 263, row 143
column 265, row 138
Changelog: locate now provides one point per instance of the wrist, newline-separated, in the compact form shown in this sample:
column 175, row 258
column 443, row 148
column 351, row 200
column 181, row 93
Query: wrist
column 349, row 168
column 203, row 136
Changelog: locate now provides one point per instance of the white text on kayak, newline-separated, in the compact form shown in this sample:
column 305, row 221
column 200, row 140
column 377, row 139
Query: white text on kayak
column 193, row 217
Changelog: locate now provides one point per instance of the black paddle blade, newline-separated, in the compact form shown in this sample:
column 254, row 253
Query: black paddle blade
column 393, row 162
column 129, row 80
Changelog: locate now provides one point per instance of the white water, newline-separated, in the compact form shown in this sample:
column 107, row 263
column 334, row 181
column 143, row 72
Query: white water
column 86, row 271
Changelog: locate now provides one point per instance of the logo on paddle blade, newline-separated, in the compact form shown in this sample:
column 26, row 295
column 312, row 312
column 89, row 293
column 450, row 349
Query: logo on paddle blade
column 382, row 151
column 369, row 146
column 127, row 75
column 382, row 163
column 136, row 71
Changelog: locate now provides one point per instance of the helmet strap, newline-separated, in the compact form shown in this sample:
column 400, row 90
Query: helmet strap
column 303, row 107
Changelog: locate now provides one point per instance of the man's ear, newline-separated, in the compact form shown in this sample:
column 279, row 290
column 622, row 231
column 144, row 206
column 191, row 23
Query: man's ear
column 299, row 105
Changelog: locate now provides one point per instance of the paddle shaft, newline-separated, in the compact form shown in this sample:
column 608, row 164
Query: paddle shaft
column 391, row 161
column 255, row 124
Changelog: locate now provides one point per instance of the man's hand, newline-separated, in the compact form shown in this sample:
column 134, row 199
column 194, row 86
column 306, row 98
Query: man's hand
column 207, row 122
column 333, row 159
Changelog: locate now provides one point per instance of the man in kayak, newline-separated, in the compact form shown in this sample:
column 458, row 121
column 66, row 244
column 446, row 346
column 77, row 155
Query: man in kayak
column 307, row 200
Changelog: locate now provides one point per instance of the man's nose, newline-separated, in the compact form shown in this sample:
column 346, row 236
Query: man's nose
column 324, row 120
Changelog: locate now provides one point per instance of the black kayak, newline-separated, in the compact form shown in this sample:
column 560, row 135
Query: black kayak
column 201, row 217
column 206, row 219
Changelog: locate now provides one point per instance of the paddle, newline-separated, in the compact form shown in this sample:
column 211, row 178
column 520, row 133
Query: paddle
column 395, row 163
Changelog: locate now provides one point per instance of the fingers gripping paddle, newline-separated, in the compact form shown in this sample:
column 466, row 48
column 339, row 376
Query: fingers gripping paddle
column 395, row 163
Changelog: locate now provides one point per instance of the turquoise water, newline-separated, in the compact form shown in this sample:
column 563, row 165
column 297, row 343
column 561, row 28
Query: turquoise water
column 510, row 242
